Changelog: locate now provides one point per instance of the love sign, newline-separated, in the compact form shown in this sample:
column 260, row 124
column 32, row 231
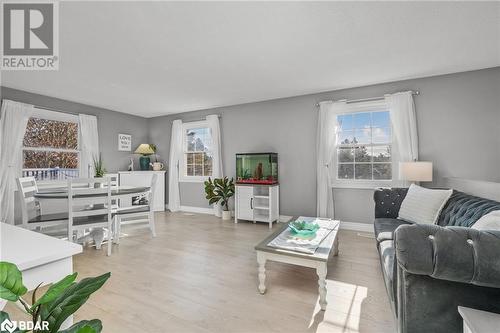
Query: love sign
column 124, row 142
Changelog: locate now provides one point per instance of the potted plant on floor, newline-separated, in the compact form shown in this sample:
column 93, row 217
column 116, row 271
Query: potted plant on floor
column 220, row 190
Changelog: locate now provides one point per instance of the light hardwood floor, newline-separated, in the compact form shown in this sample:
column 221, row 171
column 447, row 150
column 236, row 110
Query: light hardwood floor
column 200, row 275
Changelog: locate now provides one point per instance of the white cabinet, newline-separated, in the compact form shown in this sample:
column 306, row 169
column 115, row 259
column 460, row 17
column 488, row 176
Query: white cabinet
column 143, row 179
column 244, row 203
column 257, row 203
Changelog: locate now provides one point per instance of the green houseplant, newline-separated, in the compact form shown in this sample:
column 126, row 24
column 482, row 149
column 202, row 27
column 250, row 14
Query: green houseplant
column 220, row 190
column 48, row 312
column 99, row 169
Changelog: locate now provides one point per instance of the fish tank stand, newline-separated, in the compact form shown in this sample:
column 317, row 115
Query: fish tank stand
column 257, row 203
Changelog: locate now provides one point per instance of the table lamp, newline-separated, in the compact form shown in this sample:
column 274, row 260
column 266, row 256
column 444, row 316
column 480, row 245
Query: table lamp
column 145, row 150
column 415, row 171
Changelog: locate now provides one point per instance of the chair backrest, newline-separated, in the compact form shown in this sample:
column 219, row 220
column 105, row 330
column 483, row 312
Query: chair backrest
column 152, row 189
column 113, row 177
column 27, row 187
column 87, row 198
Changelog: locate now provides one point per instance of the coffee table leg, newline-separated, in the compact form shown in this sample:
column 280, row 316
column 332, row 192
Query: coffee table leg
column 261, row 260
column 336, row 246
column 321, row 271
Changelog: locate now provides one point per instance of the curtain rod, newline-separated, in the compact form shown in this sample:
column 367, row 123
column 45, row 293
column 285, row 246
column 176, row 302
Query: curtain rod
column 55, row 110
column 416, row 93
column 196, row 119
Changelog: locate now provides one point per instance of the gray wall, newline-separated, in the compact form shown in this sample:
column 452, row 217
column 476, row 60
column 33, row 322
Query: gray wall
column 458, row 121
column 110, row 123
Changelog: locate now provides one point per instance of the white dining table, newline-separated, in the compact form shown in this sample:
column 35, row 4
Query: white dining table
column 41, row 259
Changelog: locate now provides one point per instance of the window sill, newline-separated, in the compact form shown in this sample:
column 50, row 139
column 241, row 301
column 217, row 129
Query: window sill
column 363, row 185
column 193, row 180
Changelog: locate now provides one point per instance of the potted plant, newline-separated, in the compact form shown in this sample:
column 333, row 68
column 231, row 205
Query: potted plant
column 48, row 312
column 157, row 166
column 220, row 190
column 99, row 169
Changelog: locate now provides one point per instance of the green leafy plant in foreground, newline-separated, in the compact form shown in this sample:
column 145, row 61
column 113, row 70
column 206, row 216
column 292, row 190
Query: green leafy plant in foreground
column 60, row 301
column 220, row 190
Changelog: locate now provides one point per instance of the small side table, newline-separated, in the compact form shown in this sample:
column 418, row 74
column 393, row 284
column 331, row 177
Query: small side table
column 477, row 321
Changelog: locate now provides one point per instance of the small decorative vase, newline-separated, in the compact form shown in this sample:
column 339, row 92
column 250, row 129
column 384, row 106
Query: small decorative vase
column 144, row 163
column 226, row 214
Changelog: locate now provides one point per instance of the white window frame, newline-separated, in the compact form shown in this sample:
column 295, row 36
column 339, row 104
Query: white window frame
column 370, row 106
column 183, row 177
column 56, row 116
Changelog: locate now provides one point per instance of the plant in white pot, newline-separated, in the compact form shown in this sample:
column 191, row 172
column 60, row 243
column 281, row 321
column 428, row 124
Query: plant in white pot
column 220, row 190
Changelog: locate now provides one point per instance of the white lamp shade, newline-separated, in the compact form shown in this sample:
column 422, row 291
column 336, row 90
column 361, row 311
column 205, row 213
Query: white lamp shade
column 415, row 171
column 144, row 149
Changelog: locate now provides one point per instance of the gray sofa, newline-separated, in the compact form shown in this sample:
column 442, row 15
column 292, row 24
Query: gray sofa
column 429, row 270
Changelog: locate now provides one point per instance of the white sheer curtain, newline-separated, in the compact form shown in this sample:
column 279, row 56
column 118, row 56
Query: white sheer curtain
column 325, row 146
column 14, row 117
column 404, row 125
column 217, row 170
column 89, row 144
column 174, row 197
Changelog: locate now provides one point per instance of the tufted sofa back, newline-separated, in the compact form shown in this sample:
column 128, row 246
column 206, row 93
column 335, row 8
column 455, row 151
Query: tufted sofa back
column 463, row 210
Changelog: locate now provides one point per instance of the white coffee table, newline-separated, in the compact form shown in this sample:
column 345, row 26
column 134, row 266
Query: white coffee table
column 328, row 247
column 477, row 321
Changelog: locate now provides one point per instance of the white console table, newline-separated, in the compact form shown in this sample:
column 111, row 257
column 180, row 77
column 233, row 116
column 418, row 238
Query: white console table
column 41, row 259
column 143, row 179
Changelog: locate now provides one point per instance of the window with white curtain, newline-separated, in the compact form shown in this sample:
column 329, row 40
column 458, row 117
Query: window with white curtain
column 51, row 147
column 364, row 152
column 197, row 159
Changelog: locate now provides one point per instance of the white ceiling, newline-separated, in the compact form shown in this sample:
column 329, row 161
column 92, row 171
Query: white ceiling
column 156, row 58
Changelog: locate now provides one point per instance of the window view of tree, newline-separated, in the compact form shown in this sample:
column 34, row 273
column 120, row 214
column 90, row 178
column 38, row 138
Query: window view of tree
column 198, row 157
column 364, row 149
column 50, row 149
column 51, row 134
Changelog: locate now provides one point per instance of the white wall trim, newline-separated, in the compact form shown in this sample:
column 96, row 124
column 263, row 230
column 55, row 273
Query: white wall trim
column 192, row 209
column 284, row 218
column 356, row 226
column 201, row 210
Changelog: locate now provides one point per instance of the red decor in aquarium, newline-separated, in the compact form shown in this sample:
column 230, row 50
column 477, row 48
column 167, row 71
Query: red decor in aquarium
column 257, row 168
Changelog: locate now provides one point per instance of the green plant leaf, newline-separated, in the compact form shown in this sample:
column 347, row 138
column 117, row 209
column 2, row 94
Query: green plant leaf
column 70, row 300
column 55, row 290
column 3, row 317
column 85, row 326
column 11, row 282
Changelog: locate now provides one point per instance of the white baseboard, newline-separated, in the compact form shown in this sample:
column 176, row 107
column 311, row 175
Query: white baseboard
column 285, row 218
column 201, row 210
column 356, row 226
column 192, row 209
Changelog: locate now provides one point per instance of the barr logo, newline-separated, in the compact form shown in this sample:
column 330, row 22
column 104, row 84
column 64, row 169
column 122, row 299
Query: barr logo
column 28, row 29
column 8, row 326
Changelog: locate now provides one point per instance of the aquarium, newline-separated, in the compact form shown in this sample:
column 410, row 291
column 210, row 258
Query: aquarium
column 257, row 168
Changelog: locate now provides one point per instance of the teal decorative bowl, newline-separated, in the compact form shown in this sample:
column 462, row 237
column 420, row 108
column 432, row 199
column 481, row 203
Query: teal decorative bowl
column 303, row 229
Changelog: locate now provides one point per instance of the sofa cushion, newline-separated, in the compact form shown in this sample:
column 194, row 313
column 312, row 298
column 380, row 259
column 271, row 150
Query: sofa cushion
column 490, row 221
column 388, row 201
column 384, row 228
column 386, row 249
column 463, row 210
column 389, row 270
column 423, row 205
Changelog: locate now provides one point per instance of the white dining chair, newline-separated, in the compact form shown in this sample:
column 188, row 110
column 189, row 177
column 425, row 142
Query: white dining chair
column 113, row 179
column 89, row 207
column 31, row 214
column 137, row 214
